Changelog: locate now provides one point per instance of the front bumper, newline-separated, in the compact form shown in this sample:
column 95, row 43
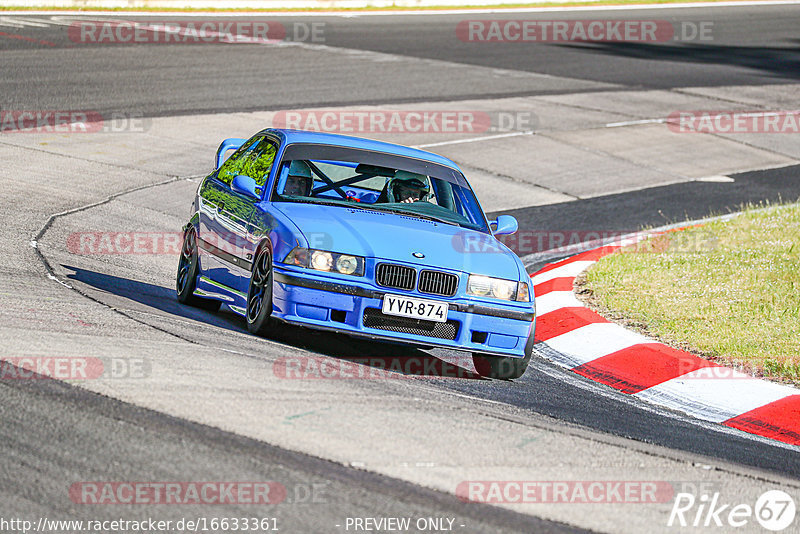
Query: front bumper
column 355, row 308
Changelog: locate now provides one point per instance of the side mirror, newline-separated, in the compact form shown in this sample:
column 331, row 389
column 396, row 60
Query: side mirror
column 228, row 144
column 505, row 225
column 244, row 185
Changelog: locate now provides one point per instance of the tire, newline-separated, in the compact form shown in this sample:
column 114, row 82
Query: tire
column 259, row 296
column 503, row 368
column 186, row 279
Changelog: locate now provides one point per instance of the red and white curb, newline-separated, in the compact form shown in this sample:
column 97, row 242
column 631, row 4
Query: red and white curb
column 584, row 342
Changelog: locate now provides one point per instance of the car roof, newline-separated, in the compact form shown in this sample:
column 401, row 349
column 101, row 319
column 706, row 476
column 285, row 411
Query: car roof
column 323, row 138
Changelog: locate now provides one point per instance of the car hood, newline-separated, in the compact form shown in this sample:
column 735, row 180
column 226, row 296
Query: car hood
column 389, row 236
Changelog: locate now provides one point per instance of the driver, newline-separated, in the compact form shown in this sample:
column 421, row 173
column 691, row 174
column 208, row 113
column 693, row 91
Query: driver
column 299, row 181
column 409, row 187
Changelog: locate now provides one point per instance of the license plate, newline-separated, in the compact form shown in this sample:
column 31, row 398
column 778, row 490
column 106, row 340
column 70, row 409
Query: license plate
column 430, row 310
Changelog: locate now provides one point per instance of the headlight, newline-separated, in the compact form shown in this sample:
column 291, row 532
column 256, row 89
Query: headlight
column 479, row 285
column 484, row 286
column 504, row 289
column 322, row 260
column 347, row 264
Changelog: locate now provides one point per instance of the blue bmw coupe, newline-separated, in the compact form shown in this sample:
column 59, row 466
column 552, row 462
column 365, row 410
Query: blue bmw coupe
column 359, row 237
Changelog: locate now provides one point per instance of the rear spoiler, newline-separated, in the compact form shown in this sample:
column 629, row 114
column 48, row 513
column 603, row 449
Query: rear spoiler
column 228, row 144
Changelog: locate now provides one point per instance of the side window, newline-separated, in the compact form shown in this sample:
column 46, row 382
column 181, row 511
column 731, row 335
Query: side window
column 225, row 173
column 254, row 159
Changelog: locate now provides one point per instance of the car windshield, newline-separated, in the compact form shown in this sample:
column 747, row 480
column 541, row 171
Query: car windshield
column 355, row 178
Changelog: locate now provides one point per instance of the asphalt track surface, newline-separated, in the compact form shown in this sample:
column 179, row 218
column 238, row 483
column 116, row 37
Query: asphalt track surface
column 108, row 440
column 753, row 46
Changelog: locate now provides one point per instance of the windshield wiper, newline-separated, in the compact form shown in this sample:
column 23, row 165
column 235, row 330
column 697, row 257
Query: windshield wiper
column 302, row 200
column 419, row 216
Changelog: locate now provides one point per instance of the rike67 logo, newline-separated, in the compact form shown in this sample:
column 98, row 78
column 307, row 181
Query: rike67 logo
column 774, row 510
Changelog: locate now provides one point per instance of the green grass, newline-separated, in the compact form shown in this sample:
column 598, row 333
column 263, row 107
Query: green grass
column 348, row 9
column 729, row 291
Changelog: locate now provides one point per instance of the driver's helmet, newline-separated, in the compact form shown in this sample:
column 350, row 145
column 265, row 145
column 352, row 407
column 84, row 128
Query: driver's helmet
column 299, row 180
column 406, row 185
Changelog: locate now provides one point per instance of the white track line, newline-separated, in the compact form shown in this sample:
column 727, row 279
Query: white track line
column 474, row 139
column 634, row 123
